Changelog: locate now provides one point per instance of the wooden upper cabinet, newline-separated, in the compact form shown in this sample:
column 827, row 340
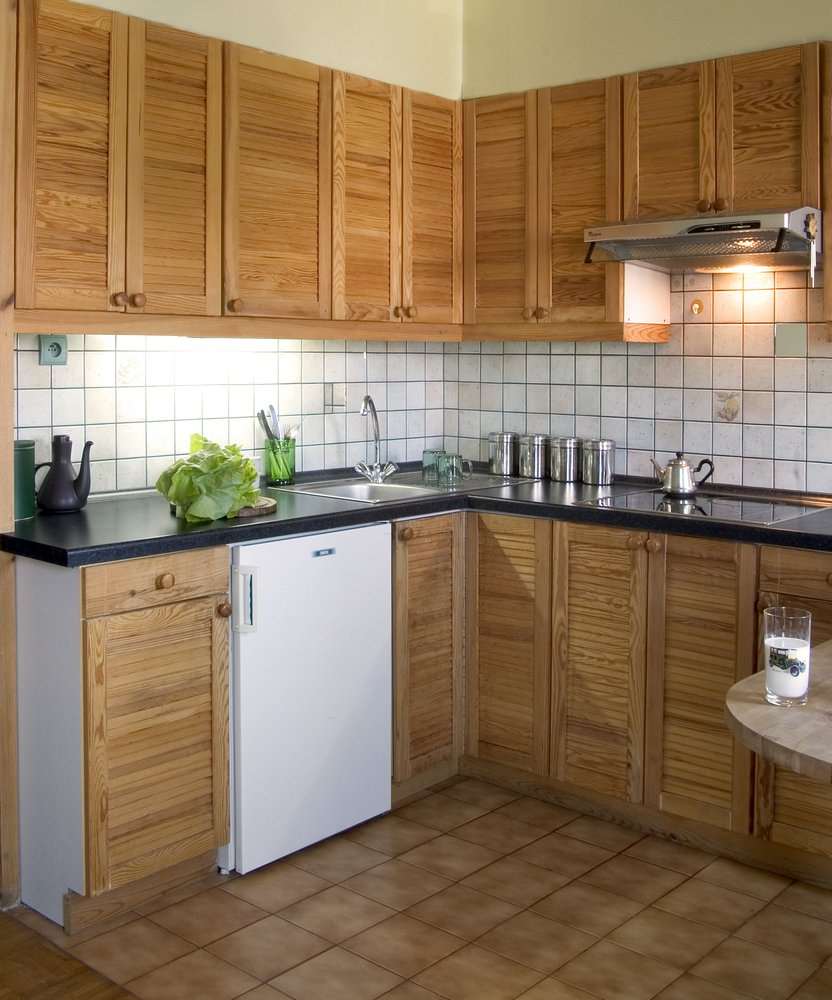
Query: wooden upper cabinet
column 599, row 641
column 768, row 129
column 278, row 187
column 579, row 185
column 366, row 198
column 174, row 160
column 71, row 149
column 500, row 271
column 669, row 141
column 701, row 625
column 431, row 289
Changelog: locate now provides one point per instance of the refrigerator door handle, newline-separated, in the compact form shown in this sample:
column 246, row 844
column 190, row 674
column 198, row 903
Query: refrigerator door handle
column 245, row 599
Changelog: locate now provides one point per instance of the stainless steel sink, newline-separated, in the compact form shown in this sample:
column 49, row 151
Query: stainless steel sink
column 363, row 491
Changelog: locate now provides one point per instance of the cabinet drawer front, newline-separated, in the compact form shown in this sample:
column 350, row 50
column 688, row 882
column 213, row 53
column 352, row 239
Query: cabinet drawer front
column 795, row 571
column 144, row 583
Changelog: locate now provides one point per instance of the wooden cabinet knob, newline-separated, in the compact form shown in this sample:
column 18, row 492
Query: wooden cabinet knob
column 720, row 205
column 703, row 206
column 541, row 312
column 410, row 312
column 829, row 579
column 120, row 299
column 406, row 534
column 654, row 545
column 224, row 610
column 528, row 313
column 139, row 300
column 235, row 305
column 165, row 581
column 633, row 542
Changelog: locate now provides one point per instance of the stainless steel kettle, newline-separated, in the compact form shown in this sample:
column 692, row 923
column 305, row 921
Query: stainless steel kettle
column 677, row 477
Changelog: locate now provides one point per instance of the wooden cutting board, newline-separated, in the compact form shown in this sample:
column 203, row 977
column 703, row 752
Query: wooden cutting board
column 263, row 506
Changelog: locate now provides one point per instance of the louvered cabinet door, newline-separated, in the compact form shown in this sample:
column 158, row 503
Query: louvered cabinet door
column 366, row 198
column 156, row 729
column 509, row 585
column 173, row 171
column 431, row 209
column 701, row 626
column 500, row 209
column 768, row 129
column 599, row 641
column 277, row 186
column 428, row 624
column 71, row 148
column 579, row 153
column 669, row 141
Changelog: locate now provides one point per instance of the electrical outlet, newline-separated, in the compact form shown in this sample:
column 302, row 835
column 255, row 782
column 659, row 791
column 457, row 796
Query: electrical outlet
column 52, row 347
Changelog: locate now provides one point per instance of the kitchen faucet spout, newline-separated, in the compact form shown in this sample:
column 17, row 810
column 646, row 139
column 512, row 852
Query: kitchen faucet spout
column 376, row 473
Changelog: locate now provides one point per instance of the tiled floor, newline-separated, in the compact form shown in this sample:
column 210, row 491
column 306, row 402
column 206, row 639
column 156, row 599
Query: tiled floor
column 469, row 893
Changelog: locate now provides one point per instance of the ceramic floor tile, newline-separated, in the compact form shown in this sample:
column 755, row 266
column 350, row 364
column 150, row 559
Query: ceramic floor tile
column 440, row 812
column 669, row 938
column 689, row 987
column 336, row 913
column 208, row 916
column 481, row 793
column 410, row 991
column 516, row 881
column 397, row 884
column 269, row 947
column 748, row 968
column 501, row 833
column 463, row 911
column 477, row 974
column 563, row 854
column 450, row 857
column 536, row 941
column 633, row 878
column 336, row 975
column 601, row 833
column 544, row 815
column 593, row 910
column 404, row 945
column 553, row 989
column 338, row 859
column 752, row 881
column 132, row 950
column 264, row 992
column 790, row 932
column 391, row 834
column 277, row 886
column 610, row 972
column 55, row 933
column 196, row 975
column 817, row 987
column 809, row 899
column 667, row 854
column 710, row 904
column 210, row 880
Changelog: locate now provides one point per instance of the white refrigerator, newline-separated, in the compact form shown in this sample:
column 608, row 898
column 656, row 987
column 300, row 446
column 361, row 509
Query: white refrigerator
column 311, row 690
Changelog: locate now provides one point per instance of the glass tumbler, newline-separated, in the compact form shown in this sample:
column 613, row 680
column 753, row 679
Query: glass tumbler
column 279, row 461
column 788, row 634
column 430, row 464
column 453, row 468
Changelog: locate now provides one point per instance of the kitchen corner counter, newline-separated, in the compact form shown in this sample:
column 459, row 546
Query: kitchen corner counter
column 132, row 526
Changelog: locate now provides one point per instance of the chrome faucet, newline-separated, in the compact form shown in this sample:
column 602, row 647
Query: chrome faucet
column 376, row 473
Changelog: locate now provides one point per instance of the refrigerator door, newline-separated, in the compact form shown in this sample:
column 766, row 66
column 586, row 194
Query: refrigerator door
column 312, row 699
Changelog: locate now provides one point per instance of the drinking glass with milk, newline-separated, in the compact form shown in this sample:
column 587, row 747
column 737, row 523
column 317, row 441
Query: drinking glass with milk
column 788, row 633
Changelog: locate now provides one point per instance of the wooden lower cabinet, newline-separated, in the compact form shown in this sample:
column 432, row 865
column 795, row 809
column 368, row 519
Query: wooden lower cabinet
column 427, row 641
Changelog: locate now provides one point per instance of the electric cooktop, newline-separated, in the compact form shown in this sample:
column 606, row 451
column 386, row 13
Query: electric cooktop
column 720, row 506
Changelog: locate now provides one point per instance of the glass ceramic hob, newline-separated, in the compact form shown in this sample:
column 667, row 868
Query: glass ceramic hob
column 720, row 506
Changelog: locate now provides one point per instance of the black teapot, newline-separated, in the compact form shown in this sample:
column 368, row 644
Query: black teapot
column 61, row 490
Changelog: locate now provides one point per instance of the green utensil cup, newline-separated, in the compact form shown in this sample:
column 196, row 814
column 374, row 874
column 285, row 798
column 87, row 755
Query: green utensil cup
column 279, row 462
column 24, row 479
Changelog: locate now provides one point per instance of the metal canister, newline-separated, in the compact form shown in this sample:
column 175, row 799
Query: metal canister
column 503, row 453
column 534, row 455
column 598, row 461
column 565, row 459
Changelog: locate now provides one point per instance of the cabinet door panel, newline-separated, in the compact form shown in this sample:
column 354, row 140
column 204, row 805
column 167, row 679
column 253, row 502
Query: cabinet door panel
column 432, row 208
column 71, row 148
column 501, row 208
column 669, row 141
column 173, row 171
column 156, row 717
column 428, row 622
column 768, row 129
column 579, row 152
column 700, row 642
column 366, row 198
column 509, row 587
column 278, row 185
column 599, row 659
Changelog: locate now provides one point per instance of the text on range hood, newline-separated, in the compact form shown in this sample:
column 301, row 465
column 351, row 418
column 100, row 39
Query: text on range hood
column 788, row 240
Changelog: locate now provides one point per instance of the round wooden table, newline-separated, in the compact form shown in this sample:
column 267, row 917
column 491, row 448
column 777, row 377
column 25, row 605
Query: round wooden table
column 799, row 738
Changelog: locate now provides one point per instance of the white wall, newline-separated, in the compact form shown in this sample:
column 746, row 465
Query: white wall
column 415, row 43
column 519, row 44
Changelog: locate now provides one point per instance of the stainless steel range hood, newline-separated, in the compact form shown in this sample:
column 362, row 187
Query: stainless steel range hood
column 787, row 240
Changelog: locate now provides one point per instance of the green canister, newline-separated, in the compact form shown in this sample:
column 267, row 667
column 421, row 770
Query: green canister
column 24, row 479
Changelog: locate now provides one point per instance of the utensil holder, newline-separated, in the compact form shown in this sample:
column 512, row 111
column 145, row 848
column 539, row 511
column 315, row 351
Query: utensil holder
column 279, row 462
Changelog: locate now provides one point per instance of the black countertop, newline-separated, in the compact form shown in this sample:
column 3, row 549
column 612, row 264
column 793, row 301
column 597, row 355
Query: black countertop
column 142, row 525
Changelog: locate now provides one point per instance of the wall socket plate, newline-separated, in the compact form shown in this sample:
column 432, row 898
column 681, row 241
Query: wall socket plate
column 52, row 349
